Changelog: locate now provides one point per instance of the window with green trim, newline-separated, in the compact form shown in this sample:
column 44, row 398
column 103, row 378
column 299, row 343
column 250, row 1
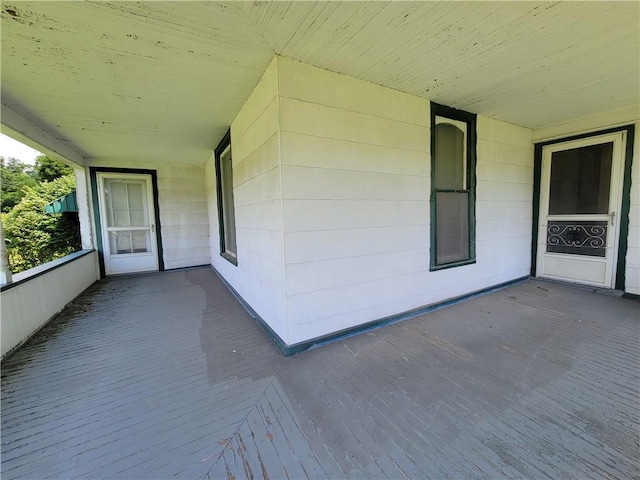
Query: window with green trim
column 453, row 178
column 226, row 208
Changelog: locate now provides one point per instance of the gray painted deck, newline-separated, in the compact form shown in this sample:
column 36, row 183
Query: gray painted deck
column 165, row 376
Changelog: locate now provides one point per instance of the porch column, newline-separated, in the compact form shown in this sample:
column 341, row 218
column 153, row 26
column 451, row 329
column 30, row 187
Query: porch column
column 5, row 271
column 84, row 206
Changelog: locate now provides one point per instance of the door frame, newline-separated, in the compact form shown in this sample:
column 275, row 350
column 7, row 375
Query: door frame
column 93, row 174
column 623, row 234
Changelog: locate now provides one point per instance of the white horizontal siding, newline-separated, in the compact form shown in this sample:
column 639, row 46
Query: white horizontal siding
column 340, row 177
column 212, row 207
column 330, row 153
column 330, row 184
column 504, row 200
column 183, row 216
column 255, row 146
column 312, row 246
column 316, row 120
column 348, row 94
column 356, row 193
column 28, row 306
column 502, row 228
column 314, row 215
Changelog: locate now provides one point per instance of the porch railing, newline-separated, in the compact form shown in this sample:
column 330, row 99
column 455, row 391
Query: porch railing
column 35, row 296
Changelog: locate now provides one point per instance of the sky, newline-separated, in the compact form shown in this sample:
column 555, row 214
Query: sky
column 11, row 148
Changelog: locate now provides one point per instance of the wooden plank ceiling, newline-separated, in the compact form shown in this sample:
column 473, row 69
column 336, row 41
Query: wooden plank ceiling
column 161, row 81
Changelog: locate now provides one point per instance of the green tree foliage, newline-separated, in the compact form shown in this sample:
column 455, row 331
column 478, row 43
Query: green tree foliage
column 14, row 177
column 48, row 169
column 34, row 237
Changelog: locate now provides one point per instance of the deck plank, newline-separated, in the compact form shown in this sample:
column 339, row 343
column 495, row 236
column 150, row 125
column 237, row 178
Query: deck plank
column 166, row 375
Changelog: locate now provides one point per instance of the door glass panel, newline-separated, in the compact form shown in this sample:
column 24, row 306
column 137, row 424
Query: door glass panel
column 137, row 218
column 580, row 180
column 135, row 196
column 121, row 218
column 125, row 202
column 452, row 227
column 129, row 241
column 120, row 242
column 118, row 193
column 140, row 241
column 577, row 238
column 134, row 192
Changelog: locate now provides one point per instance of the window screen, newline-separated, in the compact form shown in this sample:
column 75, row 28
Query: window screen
column 226, row 208
column 452, row 227
column 227, row 202
column 452, row 187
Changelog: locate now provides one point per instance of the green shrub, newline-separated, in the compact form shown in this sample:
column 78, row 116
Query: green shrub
column 34, row 237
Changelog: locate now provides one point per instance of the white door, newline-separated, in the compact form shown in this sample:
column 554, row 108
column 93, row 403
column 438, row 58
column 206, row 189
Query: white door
column 580, row 200
column 128, row 223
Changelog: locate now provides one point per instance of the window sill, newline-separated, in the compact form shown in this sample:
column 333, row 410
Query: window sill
column 461, row 263
column 229, row 258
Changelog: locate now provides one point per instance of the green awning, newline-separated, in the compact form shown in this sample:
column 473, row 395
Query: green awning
column 68, row 203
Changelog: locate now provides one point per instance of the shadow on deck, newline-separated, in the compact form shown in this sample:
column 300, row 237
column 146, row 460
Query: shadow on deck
column 165, row 375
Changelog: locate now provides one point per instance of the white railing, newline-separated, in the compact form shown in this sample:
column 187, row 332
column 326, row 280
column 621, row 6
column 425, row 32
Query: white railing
column 35, row 296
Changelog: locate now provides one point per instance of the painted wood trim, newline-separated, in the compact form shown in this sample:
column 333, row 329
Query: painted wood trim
column 289, row 350
column 43, row 269
column 93, row 174
column 623, row 238
column 275, row 338
column 444, row 266
column 224, row 143
column 537, row 178
column 97, row 221
column 472, row 141
column 34, row 136
column 383, row 322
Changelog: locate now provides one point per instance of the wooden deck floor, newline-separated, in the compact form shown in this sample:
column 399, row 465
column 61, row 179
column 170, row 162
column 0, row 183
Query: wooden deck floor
column 165, row 375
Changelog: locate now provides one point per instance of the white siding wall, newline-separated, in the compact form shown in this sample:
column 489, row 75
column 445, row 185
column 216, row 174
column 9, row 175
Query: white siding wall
column 602, row 122
column 355, row 169
column 28, row 306
column 332, row 183
column 255, row 144
column 184, row 220
column 504, row 201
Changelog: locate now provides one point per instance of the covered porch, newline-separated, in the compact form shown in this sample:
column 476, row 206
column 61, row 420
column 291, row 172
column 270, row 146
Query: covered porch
column 166, row 375
column 332, row 111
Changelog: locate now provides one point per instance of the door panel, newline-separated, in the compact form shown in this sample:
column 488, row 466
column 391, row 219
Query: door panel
column 580, row 180
column 580, row 193
column 576, row 270
column 584, row 238
column 128, row 232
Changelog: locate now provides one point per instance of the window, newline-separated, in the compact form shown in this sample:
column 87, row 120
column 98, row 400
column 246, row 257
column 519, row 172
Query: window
column 453, row 150
column 226, row 210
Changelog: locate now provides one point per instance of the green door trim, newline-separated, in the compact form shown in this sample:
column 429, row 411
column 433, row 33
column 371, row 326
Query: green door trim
column 93, row 175
column 472, row 140
column 623, row 238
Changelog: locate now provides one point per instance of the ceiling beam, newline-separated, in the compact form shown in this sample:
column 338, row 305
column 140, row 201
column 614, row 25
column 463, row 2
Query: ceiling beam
column 19, row 128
